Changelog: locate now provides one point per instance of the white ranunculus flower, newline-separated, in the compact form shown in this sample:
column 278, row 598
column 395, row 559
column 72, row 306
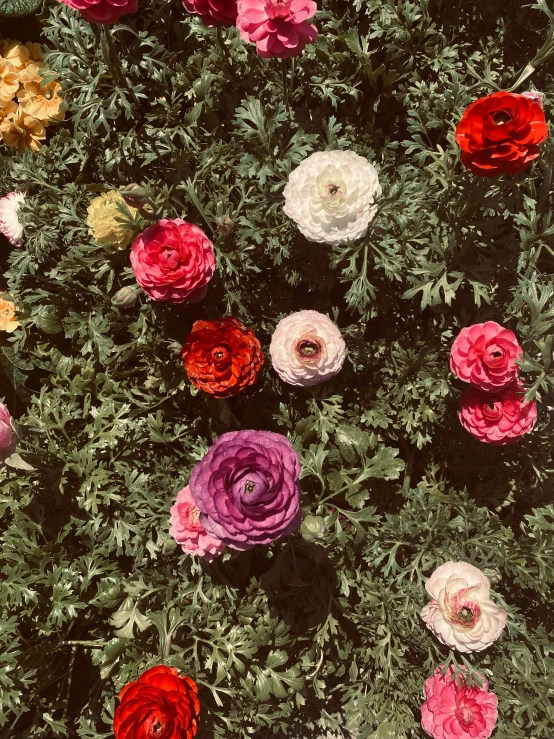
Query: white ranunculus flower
column 9, row 222
column 307, row 348
column 461, row 614
column 331, row 196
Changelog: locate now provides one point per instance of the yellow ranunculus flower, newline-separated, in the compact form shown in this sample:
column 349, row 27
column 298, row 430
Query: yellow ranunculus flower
column 111, row 221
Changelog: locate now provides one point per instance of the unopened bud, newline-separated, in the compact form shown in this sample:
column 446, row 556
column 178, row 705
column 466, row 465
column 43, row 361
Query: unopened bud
column 139, row 197
column 224, row 225
column 536, row 96
column 312, row 528
column 127, row 296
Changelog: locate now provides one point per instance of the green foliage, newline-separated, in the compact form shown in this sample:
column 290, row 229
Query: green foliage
column 305, row 636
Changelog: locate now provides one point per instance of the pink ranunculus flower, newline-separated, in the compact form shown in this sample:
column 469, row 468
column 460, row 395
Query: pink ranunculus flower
column 500, row 418
column 6, row 432
column 277, row 27
column 461, row 614
column 452, row 710
column 102, row 11
column 173, row 261
column 484, row 354
column 213, row 12
column 187, row 530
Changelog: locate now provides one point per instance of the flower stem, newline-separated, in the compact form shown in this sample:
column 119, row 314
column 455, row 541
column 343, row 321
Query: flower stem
column 285, row 84
column 110, row 56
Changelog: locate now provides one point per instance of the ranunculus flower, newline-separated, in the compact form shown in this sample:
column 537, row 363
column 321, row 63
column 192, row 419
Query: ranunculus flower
column 456, row 711
column 173, row 261
column 484, row 354
column 10, row 224
column 500, row 133
column 161, row 704
column 277, row 27
column 102, row 11
column 111, row 222
column 222, row 357
column 8, row 321
column 461, row 614
column 500, row 418
column 6, row 432
column 187, row 530
column 213, row 12
column 307, row 348
column 247, row 488
column 331, row 196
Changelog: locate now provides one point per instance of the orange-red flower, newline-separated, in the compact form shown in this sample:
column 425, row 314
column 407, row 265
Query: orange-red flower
column 222, row 357
column 161, row 703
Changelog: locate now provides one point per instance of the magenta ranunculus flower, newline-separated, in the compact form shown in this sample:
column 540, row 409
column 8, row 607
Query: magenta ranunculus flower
column 455, row 711
column 173, row 261
column 500, row 418
column 102, row 11
column 484, row 354
column 187, row 530
column 247, row 488
column 277, row 27
column 6, row 432
column 213, row 12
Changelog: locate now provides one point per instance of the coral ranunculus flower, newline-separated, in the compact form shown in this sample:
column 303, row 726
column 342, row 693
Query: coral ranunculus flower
column 500, row 133
column 461, row 614
column 213, row 12
column 8, row 322
column 161, row 704
column 277, row 27
column 455, row 711
column 102, row 11
column 187, row 530
column 501, row 418
column 173, row 261
column 22, row 131
column 484, row 354
column 222, row 357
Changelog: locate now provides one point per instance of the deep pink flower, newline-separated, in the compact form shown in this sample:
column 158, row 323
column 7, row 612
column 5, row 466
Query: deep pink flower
column 500, row 418
column 6, row 433
column 213, row 12
column 455, row 711
column 187, row 530
column 277, row 27
column 484, row 354
column 102, row 11
column 173, row 261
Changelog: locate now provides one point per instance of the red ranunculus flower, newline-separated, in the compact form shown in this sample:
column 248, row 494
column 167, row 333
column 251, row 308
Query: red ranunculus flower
column 213, row 12
column 222, row 357
column 161, row 704
column 500, row 133
column 499, row 418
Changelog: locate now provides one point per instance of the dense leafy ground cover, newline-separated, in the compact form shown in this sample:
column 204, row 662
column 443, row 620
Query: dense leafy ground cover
column 300, row 636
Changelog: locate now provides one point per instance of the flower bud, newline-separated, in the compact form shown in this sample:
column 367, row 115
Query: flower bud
column 536, row 96
column 126, row 296
column 139, row 197
column 312, row 528
column 224, row 225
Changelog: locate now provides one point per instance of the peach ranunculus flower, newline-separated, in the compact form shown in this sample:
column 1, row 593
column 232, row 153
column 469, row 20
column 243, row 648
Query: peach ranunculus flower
column 41, row 99
column 8, row 322
column 9, row 82
column 461, row 614
column 22, row 131
column 20, row 55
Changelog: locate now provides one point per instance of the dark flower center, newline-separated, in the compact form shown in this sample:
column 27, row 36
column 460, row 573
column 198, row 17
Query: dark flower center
column 465, row 615
column 495, row 356
column 492, row 411
column 308, row 350
column 464, row 714
column 500, row 117
column 220, row 356
column 249, row 487
column 170, row 257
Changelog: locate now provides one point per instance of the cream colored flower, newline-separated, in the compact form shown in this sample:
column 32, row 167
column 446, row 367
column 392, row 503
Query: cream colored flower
column 331, row 196
column 111, row 221
column 461, row 614
column 8, row 322
column 9, row 82
column 39, row 99
column 307, row 348
column 22, row 131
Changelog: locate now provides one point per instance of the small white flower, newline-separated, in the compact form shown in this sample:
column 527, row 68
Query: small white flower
column 307, row 348
column 331, row 196
column 9, row 222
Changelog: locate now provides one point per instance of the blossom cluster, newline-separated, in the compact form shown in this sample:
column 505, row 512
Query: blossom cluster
column 28, row 104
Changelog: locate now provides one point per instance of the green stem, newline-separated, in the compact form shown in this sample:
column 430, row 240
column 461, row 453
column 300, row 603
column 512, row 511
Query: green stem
column 110, row 56
column 285, row 84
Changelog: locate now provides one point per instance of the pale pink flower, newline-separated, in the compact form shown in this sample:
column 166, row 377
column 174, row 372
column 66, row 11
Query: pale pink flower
column 461, row 614
column 455, row 711
column 187, row 530
column 277, row 27
column 10, row 224
column 6, row 432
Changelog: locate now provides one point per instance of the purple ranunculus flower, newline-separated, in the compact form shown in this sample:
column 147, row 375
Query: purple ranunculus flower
column 247, row 488
column 6, row 433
